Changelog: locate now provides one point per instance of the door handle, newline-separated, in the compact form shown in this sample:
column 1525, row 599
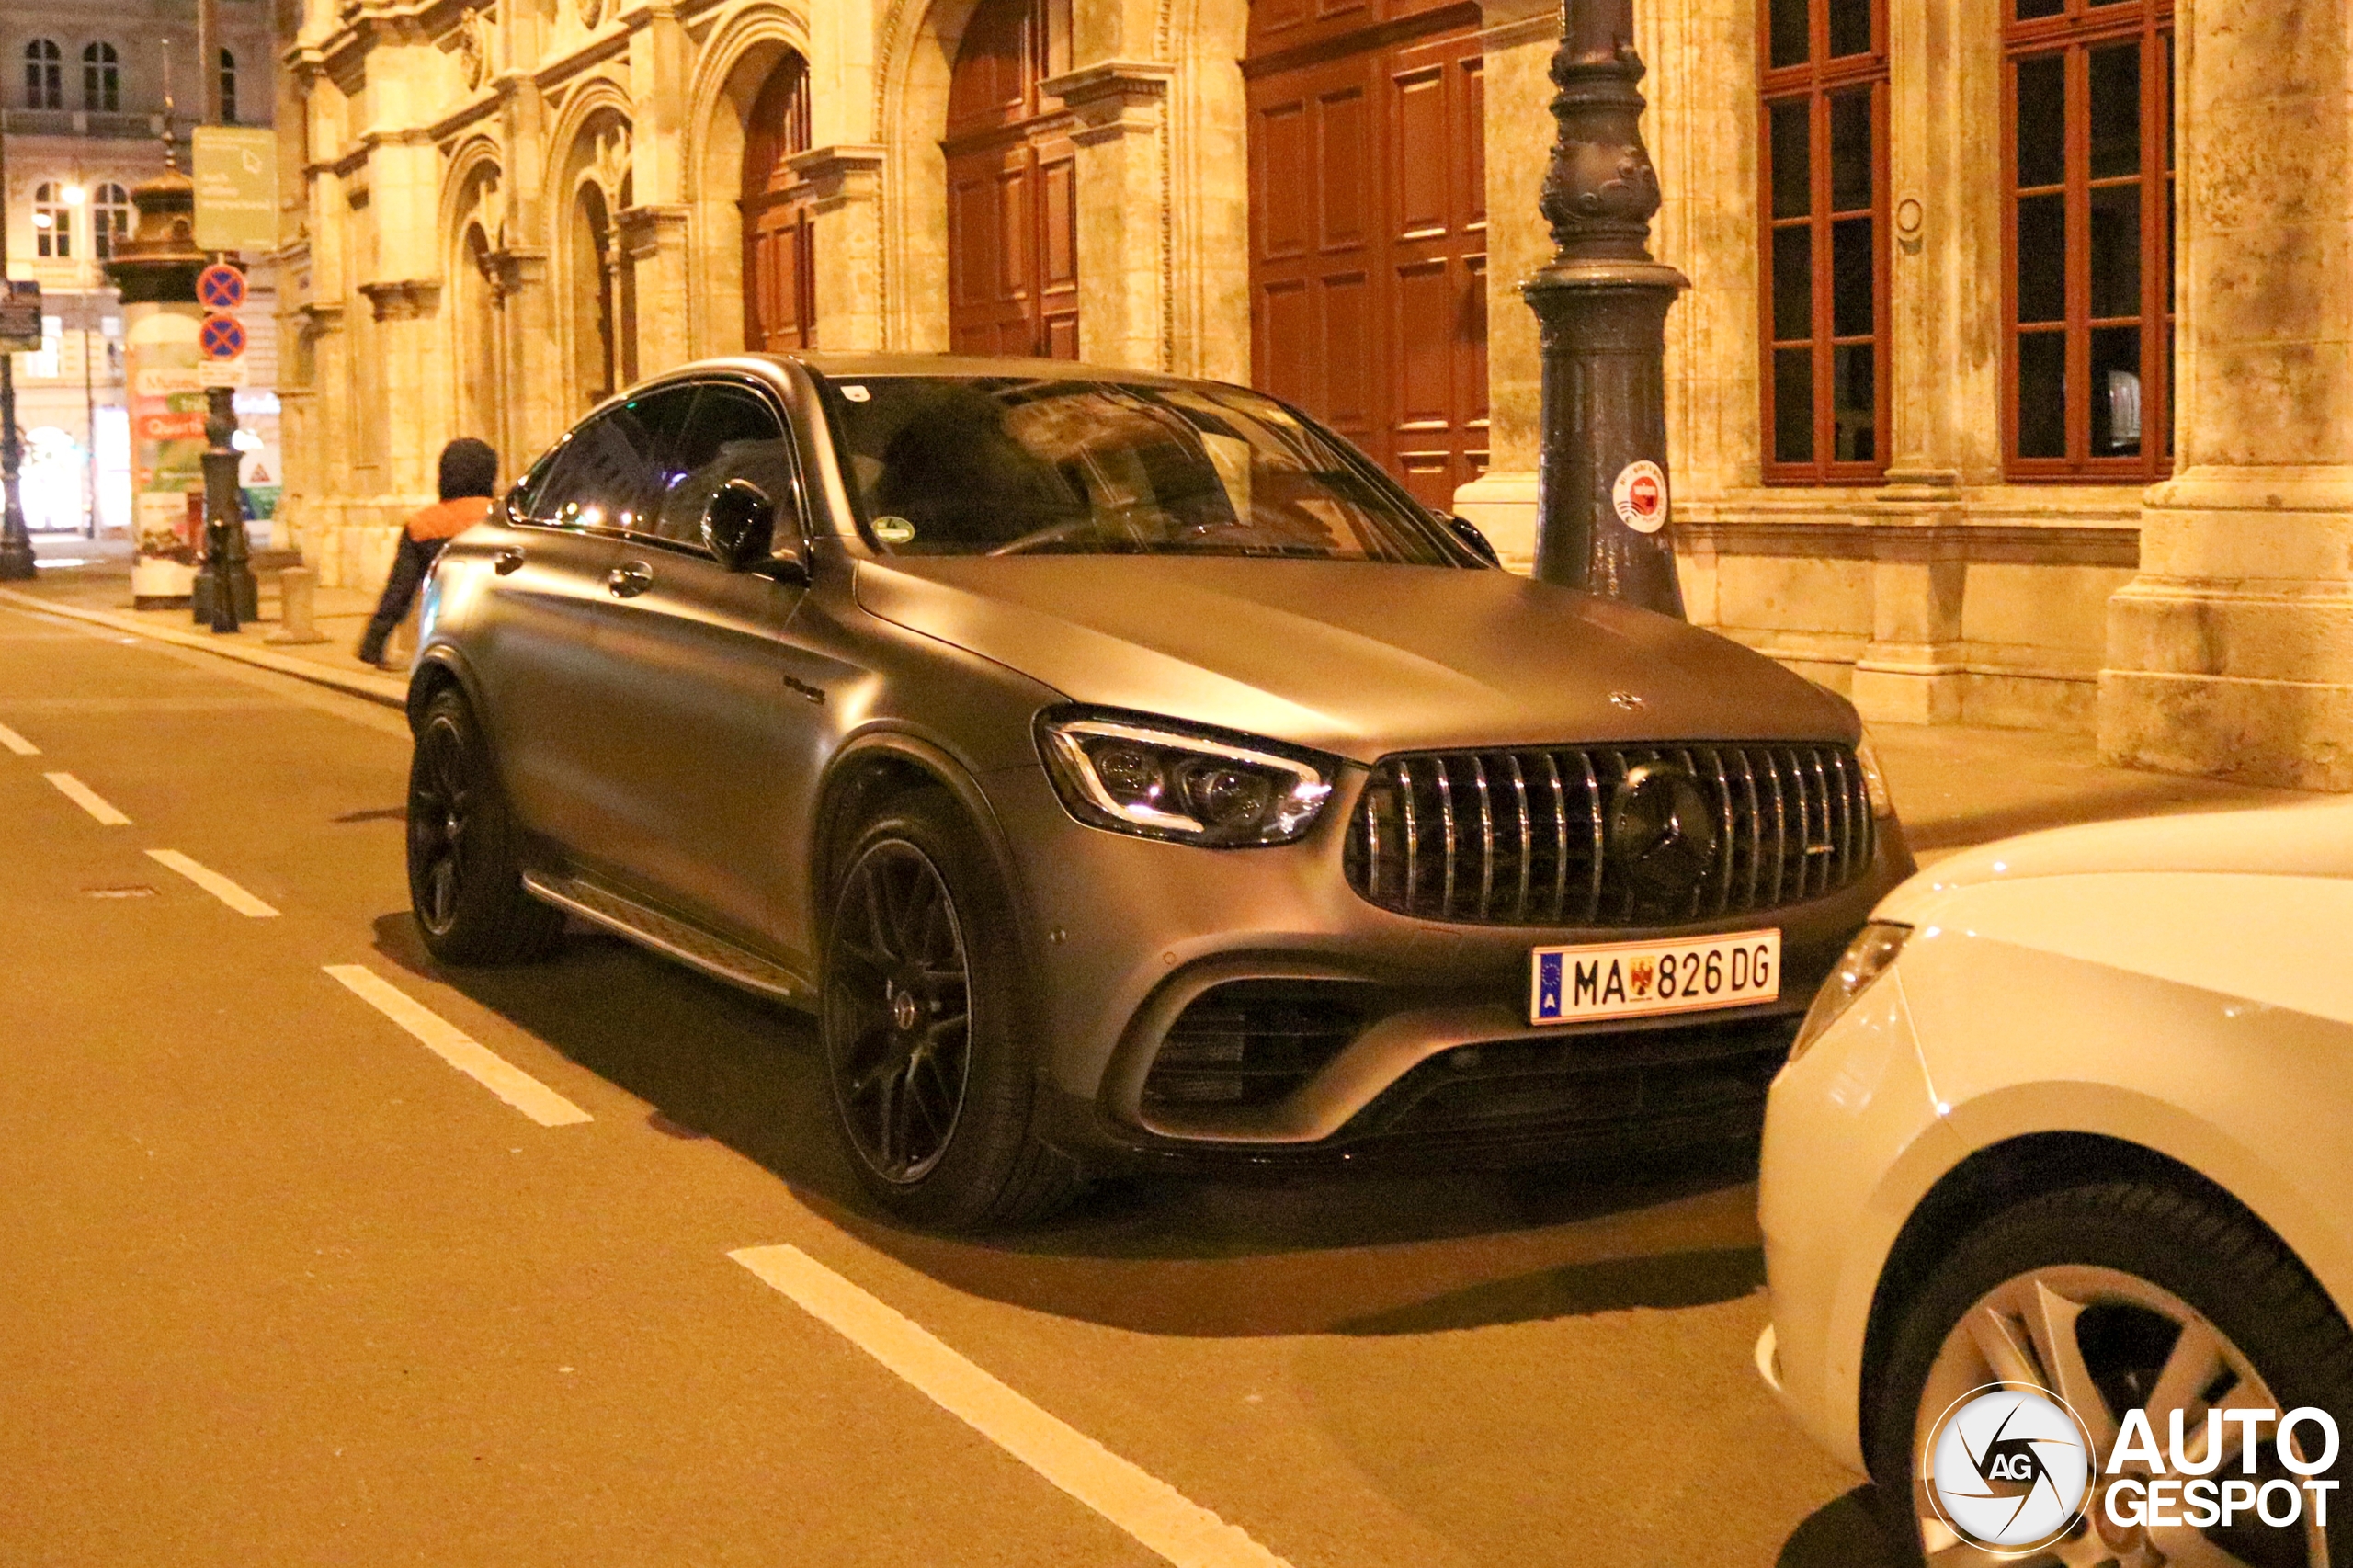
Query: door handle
column 508, row 561
column 628, row 579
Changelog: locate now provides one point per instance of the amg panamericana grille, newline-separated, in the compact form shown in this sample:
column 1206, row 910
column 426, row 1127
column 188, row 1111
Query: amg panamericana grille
column 1523, row 837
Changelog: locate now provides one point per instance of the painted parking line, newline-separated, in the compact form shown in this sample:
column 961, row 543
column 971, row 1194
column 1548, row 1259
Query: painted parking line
column 213, row 882
column 89, row 800
column 1151, row 1510
column 452, row 1045
column 16, row 743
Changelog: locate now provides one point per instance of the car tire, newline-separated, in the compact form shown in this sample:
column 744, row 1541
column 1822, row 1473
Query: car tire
column 928, row 1039
column 465, row 878
column 2134, row 1254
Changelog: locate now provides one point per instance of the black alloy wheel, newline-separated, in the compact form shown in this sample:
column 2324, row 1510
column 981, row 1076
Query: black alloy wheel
column 927, row 1039
column 899, row 1011
column 465, row 884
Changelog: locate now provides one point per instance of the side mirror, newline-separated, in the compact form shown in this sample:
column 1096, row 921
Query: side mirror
column 1473, row 540
column 739, row 525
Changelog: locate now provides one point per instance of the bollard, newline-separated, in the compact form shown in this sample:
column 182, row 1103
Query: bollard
column 297, row 592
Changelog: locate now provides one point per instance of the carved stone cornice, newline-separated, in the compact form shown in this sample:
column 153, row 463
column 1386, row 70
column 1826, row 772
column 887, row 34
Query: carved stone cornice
column 404, row 298
column 1113, row 97
column 845, row 172
column 649, row 229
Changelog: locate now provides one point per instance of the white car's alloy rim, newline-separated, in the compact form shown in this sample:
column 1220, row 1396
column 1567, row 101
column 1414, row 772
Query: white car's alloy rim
column 2104, row 1342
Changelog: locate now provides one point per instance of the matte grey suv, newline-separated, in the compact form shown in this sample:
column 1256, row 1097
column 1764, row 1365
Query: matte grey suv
column 1129, row 774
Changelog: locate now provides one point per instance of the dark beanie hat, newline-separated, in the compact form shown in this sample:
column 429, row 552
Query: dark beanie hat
column 468, row 468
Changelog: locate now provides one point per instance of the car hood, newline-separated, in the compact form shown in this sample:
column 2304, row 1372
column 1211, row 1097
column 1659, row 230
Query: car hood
column 1351, row 657
column 2307, row 839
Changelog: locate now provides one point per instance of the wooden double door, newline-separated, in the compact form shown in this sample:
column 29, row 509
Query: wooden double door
column 1012, row 186
column 1368, row 228
column 779, row 241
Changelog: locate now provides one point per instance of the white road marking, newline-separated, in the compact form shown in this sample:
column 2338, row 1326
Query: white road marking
column 89, row 800
column 213, row 882
column 16, row 743
column 451, row 1044
column 1150, row 1509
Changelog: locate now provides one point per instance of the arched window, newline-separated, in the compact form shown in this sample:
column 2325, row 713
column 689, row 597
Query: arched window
column 101, row 79
column 228, row 88
column 596, row 316
column 2088, row 237
column 779, row 285
column 110, row 219
column 1824, row 195
column 52, row 221
column 44, row 76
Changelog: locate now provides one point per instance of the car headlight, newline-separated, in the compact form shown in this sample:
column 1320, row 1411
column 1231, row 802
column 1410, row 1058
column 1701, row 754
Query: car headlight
column 1140, row 777
column 1867, row 957
column 1874, row 778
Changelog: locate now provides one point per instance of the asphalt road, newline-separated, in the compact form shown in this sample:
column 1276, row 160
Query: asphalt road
column 282, row 1286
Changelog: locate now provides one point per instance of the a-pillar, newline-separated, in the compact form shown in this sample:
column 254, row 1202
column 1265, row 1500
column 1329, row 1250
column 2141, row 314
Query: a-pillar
column 1121, row 109
column 2232, row 652
column 845, row 218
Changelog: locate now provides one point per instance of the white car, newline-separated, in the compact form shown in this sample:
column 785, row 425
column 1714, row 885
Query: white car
column 2076, row 1113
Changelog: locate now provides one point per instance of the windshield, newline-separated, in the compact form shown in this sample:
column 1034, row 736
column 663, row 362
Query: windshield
column 1010, row 466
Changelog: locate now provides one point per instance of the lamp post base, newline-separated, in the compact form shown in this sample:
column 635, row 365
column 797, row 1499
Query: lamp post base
column 1604, row 427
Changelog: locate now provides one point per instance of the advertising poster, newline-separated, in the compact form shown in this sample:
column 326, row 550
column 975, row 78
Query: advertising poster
column 166, row 447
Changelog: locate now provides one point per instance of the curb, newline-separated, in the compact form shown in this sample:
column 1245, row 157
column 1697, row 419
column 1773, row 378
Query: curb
column 388, row 690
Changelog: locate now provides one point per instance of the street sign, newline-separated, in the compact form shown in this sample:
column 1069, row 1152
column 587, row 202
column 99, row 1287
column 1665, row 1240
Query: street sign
column 236, row 187
column 221, row 286
column 220, row 337
column 221, row 349
column 19, row 317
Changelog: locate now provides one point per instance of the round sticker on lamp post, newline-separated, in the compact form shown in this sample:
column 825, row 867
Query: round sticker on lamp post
column 221, row 286
column 1640, row 496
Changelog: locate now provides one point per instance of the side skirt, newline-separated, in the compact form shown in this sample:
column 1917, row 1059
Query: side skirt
column 672, row 938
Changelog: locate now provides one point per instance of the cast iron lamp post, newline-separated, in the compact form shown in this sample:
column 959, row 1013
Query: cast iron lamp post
column 1602, row 496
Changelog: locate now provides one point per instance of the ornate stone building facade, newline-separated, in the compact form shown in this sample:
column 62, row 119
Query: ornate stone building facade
column 2013, row 385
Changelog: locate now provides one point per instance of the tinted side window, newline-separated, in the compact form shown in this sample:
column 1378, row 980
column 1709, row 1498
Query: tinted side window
column 732, row 434
column 608, row 473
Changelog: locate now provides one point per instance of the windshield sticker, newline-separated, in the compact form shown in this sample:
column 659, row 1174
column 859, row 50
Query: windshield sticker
column 893, row 531
column 857, row 393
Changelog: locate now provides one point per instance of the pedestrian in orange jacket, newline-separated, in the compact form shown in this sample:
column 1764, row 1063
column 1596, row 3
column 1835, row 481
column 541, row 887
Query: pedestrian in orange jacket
column 469, row 475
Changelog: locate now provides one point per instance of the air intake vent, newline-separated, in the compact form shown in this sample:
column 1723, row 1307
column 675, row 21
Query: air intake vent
column 1604, row 836
column 1251, row 1042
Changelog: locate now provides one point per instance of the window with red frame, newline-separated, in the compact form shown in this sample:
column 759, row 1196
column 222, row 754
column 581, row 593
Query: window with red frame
column 2087, row 238
column 1825, row 260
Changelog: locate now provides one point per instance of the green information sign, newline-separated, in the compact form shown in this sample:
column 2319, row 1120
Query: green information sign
column 236, row 187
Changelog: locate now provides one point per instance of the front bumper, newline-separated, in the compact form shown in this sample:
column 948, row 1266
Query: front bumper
column 1129, row 936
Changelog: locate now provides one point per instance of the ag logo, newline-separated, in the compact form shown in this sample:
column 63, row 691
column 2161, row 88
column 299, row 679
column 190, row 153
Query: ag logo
column 2009, row 1467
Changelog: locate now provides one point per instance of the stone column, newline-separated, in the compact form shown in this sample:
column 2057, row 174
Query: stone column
column 1122, row 135
column 2232, row 652
column 655, row 238
column 846, row 214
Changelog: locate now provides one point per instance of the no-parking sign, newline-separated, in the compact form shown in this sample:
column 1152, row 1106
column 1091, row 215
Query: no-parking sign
column 221, row 286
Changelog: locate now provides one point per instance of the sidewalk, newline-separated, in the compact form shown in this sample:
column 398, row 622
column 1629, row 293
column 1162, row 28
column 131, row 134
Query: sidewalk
column 90, row 580
column 1954, row 786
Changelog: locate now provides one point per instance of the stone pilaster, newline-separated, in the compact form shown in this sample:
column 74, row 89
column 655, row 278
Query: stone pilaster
column 1123, row 255
column 535, row 415
column 2232, row 652
column 655, row 238
column 846, row 181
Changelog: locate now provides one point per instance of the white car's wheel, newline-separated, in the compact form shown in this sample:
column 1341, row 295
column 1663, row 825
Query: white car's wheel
column 2119, row 1298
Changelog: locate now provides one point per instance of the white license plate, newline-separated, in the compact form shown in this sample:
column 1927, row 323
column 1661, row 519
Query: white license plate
column 1640, row 980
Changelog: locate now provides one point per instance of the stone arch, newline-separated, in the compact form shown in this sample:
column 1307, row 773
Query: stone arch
column 594, row 286
column 1208, row 256
column 729, row 71
column 916, row 55
column 472, row 227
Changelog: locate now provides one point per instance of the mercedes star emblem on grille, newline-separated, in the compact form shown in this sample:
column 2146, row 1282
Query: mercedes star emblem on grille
column 1661, row 826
